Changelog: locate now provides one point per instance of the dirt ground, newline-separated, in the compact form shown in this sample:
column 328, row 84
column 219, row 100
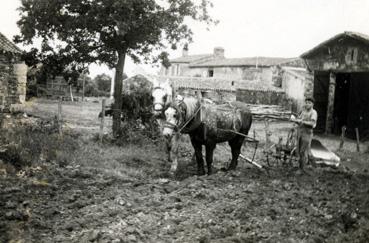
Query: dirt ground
column 97, row 192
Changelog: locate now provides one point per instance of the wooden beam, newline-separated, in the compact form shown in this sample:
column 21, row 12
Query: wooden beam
column 330, row 106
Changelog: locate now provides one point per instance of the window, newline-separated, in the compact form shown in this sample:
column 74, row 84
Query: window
column 211, row 73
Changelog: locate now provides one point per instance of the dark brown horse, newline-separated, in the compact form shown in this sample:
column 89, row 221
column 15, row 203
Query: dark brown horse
column 208, row 125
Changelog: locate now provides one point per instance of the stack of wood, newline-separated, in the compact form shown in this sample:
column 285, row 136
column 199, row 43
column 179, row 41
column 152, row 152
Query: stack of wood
column 273, row 112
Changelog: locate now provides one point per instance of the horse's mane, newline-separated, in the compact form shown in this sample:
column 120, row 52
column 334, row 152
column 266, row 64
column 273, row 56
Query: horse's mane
column 192, row 105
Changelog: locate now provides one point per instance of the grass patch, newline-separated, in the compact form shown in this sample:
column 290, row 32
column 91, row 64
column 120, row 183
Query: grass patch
column 25, row 142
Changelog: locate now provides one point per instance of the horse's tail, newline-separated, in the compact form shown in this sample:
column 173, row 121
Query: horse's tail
column 246, row 117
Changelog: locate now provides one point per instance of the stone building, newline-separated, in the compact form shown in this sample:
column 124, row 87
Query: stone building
column 13, row 74
column 339, row 80
column 258, row 78
column 216, row 65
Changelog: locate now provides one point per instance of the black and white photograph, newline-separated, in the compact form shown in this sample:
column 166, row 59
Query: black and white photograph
column 180, row 121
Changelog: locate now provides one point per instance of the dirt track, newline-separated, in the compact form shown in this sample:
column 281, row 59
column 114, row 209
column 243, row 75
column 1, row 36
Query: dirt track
column 107, row 193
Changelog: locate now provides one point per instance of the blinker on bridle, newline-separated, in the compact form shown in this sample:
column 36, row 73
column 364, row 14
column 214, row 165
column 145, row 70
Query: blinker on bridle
column 184, row 124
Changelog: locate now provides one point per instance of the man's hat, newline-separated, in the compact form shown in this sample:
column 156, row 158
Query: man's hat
column 310, row 98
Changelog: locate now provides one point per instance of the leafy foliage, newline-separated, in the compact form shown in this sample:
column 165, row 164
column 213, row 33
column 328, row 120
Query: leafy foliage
column 103, row 82
column 93, row 31
column 75, row 33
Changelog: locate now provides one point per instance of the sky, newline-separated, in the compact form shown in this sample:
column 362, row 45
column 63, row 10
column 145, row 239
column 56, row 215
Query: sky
column 272, row 28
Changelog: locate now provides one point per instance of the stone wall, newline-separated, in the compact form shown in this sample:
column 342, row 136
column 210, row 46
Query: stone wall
column 214, row 95
column 263, row 97
column 13, row 78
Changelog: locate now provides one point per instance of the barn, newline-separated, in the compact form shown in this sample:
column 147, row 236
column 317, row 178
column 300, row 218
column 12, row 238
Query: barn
column 13, row 74
column 340, row 81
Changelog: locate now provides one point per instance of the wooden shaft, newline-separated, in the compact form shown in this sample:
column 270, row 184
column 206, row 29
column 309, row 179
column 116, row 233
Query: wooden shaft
column 102, row 120
column 357, row 139
column 343, row 131
column 60, row 116
column 251, row 161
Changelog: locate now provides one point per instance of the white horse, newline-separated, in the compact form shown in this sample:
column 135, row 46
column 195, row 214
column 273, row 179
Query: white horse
column 163, row 94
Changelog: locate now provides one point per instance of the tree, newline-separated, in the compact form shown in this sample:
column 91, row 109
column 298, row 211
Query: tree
column 103, row 82
column 105, row 31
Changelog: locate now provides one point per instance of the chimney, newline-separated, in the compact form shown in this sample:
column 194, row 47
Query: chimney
column 185, row 50
column 218, row 52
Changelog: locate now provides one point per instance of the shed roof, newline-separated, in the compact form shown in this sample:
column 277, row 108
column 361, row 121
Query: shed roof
column 217, row 84
column 190, row 58
column 246, row 61
column 347, row 34
column 200, row 83
column 8, row 46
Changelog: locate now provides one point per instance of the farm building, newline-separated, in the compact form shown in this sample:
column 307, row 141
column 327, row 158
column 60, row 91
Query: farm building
column 13, row 74
column 255, row 80
column 339, row 81
column 216, row 65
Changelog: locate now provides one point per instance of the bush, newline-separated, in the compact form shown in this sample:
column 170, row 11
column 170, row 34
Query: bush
column 132, row 132
column 92, row 91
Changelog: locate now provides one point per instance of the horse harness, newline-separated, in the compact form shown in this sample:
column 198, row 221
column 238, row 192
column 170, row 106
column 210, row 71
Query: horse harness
column 181, row 110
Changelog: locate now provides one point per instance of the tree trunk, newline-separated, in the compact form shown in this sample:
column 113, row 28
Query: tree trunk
column 118, row 85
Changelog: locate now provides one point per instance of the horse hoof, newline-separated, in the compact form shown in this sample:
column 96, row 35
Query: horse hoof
column 231, row 168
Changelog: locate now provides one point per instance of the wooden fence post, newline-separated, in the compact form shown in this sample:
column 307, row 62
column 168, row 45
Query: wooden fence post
column 357, row 139
column 267, row 137
column 102, row 120
column 60, row 118
column 343, row 131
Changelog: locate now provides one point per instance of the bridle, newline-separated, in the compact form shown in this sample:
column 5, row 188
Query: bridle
column 163, row 100
column 181, row 111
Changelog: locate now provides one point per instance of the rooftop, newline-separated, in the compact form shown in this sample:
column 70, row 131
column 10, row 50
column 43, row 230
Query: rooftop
column 191, row 58
column 246, row 61
column 347, row 34
column 8, row 46
column 217, row 84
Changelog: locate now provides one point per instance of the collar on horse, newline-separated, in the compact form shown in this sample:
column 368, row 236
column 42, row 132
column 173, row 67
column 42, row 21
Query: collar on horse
column 185, row 125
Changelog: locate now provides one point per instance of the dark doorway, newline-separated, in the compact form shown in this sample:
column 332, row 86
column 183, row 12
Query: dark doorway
column 321, row 83
column 210, row 73
column 351, row 108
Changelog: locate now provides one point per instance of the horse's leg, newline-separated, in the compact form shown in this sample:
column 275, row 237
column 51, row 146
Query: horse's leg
column 200, row 161
column 235, row 144
column 209, row 157
column 173, row 152
column 168, row 147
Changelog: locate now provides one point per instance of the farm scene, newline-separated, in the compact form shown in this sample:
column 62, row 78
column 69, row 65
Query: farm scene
column 207, row 148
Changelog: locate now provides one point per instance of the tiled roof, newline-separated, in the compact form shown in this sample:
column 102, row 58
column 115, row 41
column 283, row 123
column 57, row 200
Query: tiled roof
column 356, row 35
column 199, row 83
column 8, row 46
column 246, row 61
column 191, row 58
column 216, row 84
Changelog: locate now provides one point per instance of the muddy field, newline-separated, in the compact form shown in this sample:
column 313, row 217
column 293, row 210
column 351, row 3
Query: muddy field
column 85, row 191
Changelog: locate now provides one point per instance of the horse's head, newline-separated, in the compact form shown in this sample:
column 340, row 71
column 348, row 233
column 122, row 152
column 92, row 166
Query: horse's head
column 182, row 116
column 173, row 119
column 162, row 96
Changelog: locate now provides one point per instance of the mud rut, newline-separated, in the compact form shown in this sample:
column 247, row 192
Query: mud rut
column 81, row 203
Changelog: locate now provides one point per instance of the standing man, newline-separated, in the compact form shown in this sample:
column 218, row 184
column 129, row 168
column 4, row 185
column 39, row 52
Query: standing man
column 307, row 122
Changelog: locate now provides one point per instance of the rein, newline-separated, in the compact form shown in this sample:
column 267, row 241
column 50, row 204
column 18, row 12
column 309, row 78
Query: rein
column 182, row 127
column 189, row 119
